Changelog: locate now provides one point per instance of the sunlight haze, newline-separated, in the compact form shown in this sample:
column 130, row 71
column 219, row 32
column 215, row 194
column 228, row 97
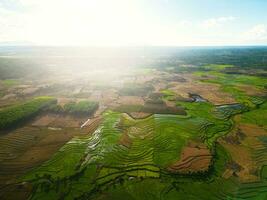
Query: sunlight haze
column 133, row 22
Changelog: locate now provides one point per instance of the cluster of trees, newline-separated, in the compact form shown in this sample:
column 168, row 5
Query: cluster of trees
column 14, row 68
column 79, row 108
column 154, row 108
column 136, row 89
column 244, row 57
column 13, row 115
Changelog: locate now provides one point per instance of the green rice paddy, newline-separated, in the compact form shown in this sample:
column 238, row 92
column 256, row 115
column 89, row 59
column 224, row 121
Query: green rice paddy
column 126, row 155
column 97, row 164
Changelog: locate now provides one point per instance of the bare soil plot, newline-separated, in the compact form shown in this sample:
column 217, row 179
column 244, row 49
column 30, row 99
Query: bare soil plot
column 251, row 90
column 58, row 120
column 130, row 100
column 62, row 101
column 139, row 115
column 241, row 150
column 159, row 85
column 211, row 92
column 28, row 147
column 195, row 157
column 109, row 96
column 92, row 125
column 125, row 140
column 16, row 191
column 96, row 96
column 143, row 79
column 9, row 96
column 29, row 91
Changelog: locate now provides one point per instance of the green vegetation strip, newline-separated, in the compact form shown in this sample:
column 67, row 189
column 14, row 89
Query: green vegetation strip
column 13, row 115
column 79, row 108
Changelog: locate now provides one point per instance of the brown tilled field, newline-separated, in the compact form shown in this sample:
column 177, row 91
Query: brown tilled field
column 194, row 158
column 242, row 150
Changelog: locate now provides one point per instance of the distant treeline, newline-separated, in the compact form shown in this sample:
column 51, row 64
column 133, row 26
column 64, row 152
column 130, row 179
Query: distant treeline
column 37, row 61
column 79, row 108
column 245, row 57
column 13, row 68
column 14, row 115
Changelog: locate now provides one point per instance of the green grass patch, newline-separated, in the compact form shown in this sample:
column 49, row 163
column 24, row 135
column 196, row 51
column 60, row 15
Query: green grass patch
column 256, row 116
column 10, row 82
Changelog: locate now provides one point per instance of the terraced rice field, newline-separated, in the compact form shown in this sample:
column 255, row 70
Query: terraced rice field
column 124, row 153
column 27, row 147
column 153, row 145
column 199, row 137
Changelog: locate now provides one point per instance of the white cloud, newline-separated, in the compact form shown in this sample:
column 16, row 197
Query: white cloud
column 215, row 22
column 111, row 22
column 12, row 25
column 52, row 22
column 185, row 23
column 256, row 33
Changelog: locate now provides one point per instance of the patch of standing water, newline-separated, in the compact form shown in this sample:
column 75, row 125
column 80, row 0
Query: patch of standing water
column 197, row 98
column 228, row 110
column 84, row 124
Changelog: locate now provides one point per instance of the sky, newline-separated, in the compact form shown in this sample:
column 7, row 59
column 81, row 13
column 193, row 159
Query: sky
column 133, row 22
